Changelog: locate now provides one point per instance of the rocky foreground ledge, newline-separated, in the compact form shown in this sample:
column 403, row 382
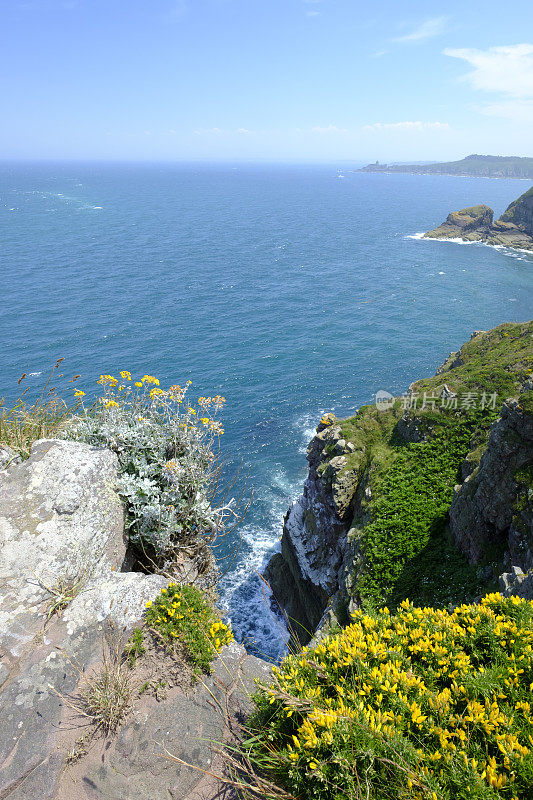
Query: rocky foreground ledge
column 61, row 523
column 476, row 224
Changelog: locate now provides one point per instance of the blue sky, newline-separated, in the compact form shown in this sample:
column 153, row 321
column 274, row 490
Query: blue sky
column 312, row 80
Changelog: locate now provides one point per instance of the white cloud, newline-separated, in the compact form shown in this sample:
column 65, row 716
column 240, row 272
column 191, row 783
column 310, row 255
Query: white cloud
column 329, row 129
column 216, row 131
column 426, row 30
column 520, row 111
column 506, row 70
column 312, row 13
column 204, row 131
column 407, row 126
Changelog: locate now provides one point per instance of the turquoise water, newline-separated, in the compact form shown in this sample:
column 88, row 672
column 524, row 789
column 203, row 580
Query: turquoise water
column 286, row 289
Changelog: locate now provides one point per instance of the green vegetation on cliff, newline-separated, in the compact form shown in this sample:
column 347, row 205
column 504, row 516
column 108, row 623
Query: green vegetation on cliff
column 474, row 165
column 410, row 458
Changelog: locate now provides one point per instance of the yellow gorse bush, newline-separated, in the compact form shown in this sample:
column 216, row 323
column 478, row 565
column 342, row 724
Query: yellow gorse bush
column 416, row 702
column 182, row 615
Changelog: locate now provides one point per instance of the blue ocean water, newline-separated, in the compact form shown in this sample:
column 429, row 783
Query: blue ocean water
column 287, row 289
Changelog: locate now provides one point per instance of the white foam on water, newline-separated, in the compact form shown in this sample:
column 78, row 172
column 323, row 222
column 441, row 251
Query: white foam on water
column 306, row 427
column 512, row 252
column 34, row 374
column 244, row 593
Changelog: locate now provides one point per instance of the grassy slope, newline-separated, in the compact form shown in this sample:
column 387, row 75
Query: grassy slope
column 405, row 543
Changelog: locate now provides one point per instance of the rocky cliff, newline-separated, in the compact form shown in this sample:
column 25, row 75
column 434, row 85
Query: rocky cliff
column 428, row 496
column 475, row 224
column 67, row 607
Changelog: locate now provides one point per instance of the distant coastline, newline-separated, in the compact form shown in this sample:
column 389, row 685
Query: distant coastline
column 473, row 166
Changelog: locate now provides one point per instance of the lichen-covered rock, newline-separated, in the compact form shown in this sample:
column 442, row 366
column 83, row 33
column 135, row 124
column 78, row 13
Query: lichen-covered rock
column 8, row 457
column 485, row 513
column 61, row 519
column 313, row 546
column 518, row 583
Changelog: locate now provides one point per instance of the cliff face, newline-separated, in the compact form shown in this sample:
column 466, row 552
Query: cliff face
column 520, row 213
column 312, row 564
column 67, row 608
column 513, row 229
column 493, row 509
column 430, row 498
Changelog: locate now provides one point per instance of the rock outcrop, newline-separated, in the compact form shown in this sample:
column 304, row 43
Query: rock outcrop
column 315, row 549
column 62, row 536
column 325, row 558
column 491, row 511
column 475, row 224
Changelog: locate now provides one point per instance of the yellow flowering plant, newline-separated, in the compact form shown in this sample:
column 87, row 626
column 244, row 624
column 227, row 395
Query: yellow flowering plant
column 167, row 460
column 183, row 616
column 422, row 703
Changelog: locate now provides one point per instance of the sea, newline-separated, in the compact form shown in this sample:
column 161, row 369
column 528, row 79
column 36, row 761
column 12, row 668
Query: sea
column 291, row 290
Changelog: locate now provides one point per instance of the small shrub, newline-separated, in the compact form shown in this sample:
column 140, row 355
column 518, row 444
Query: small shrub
column 165, row 448
column 422, row 704
column 182, row 615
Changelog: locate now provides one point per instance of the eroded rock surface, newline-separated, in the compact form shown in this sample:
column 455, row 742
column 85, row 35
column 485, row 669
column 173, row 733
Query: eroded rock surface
column 492, row 510
column 61, row 520
column 311, row 564
column 61, row 525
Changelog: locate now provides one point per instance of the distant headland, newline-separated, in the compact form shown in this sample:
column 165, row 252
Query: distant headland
column 475, row 166
column 513, row 229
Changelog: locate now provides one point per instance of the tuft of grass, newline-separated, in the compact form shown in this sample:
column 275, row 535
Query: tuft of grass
column 63, row 592
column 135, row 648
column 24, row 422
column 421, row 704
column 183, row 616
column 107, row 696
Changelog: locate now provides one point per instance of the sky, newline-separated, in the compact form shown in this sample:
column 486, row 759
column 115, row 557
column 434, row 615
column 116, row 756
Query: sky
column 272, row 80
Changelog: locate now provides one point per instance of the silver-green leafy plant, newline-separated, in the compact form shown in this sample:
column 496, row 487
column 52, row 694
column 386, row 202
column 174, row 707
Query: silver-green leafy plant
column 166, row 451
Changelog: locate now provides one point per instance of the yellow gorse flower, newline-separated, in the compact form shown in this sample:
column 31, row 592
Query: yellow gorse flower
column 415, row 675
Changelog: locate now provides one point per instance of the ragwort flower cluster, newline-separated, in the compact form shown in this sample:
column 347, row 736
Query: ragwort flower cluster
column 419, row 704
column 165, row 448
